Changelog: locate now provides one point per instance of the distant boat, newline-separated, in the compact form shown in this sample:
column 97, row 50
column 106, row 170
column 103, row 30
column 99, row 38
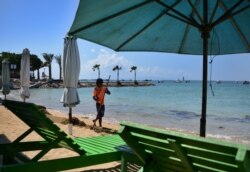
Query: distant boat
column 246, row 82
column 178, row 81
column 182, row 81
column 218, row 82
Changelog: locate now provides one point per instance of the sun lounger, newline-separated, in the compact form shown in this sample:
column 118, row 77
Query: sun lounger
column 162, row 150
column 91, row 151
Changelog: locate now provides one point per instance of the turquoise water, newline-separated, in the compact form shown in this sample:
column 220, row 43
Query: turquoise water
column 168, row 105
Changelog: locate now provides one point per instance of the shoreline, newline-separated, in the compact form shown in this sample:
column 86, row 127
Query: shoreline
column 224, row 129
column 15, row 84
column 110, row 125
column 114, row 125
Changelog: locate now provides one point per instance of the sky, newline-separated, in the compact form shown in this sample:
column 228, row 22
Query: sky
column 41, row 26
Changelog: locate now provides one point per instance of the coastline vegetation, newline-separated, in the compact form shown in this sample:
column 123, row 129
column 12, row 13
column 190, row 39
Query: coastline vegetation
column 46, row 81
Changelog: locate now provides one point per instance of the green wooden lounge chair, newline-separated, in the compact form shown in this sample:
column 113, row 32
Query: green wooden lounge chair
column 92, row 150
column 161, row 150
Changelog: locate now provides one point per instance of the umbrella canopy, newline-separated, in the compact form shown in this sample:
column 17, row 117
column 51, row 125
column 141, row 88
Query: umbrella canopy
column 25, row 74
column 198, row 27
column 5, row 77
column 71, row 71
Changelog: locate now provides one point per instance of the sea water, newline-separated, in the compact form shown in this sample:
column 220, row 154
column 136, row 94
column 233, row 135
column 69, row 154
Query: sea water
column 167, row 105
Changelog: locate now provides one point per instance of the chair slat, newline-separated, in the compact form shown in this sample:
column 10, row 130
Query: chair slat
column 92, row 151
column 170, row 150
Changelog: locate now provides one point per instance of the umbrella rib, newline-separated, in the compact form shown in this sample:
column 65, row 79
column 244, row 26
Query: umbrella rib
column 240, row 10
column 214, row 11
column 244, row 39
column 227, row 14
column 110, row 17
column 184, row 39
column 184, row 21
column 179, row 15
column 186, row 32
column 140, row 31
column 145, row 27
column 195, row 11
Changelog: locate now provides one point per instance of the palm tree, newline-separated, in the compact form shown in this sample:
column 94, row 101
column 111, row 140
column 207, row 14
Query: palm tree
column 36, row 64
column 134, row 68
column 97, row 66
column 59, row 62
column 48, row 58
column 118, row 68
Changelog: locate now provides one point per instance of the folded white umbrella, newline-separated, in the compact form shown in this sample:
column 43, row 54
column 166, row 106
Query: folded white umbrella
column 71, row 71
column 25, row 75
column 5, row 77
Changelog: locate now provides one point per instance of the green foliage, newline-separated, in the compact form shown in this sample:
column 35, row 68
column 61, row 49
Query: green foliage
column 96, row 66
column 59, row 62
column 35, row 62
column 117, row 68
column 49, row 58
column 13, row 58
column 133, row 68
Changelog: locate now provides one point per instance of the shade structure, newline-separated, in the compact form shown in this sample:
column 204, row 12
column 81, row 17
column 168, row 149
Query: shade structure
column 71, row 71
column 5, row 77
column 25, row 74
column 198, row 27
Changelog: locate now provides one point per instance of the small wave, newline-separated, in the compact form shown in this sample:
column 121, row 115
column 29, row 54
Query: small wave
column 90, row 116
column 184, row 131
column 220, row 136
column 183, row 114
column 245, row 119
column 235, row 139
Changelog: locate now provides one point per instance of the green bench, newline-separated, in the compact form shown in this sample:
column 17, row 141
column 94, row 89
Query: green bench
column 161, row 150
column 91, row 150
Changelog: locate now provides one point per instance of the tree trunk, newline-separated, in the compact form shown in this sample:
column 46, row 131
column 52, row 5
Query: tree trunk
column 118, row 75
column 60, row 74
column 135, row 75
column 38, row 74
column 50, row 71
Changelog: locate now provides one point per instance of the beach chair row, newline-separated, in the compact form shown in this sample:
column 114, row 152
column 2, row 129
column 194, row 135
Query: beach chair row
column 162, row 150
column 91, row 150
column 154, row 149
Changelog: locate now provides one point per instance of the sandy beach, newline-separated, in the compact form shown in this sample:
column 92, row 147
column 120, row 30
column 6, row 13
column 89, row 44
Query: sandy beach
column 12, row 127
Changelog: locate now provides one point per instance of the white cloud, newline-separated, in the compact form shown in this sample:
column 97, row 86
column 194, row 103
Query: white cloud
column 151, row 70
column 108, row 60
column 156, row 72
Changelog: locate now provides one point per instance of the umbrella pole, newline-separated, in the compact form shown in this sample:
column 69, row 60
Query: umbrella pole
column 70, row 121
column 205, row 35
column 204, row 93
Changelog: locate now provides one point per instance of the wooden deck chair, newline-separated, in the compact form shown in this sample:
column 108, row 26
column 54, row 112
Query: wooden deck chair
column 161, row 150
column 92, row 150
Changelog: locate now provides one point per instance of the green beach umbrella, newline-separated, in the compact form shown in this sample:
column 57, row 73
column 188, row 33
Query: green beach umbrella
column 198, row 27
column 5, row 78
